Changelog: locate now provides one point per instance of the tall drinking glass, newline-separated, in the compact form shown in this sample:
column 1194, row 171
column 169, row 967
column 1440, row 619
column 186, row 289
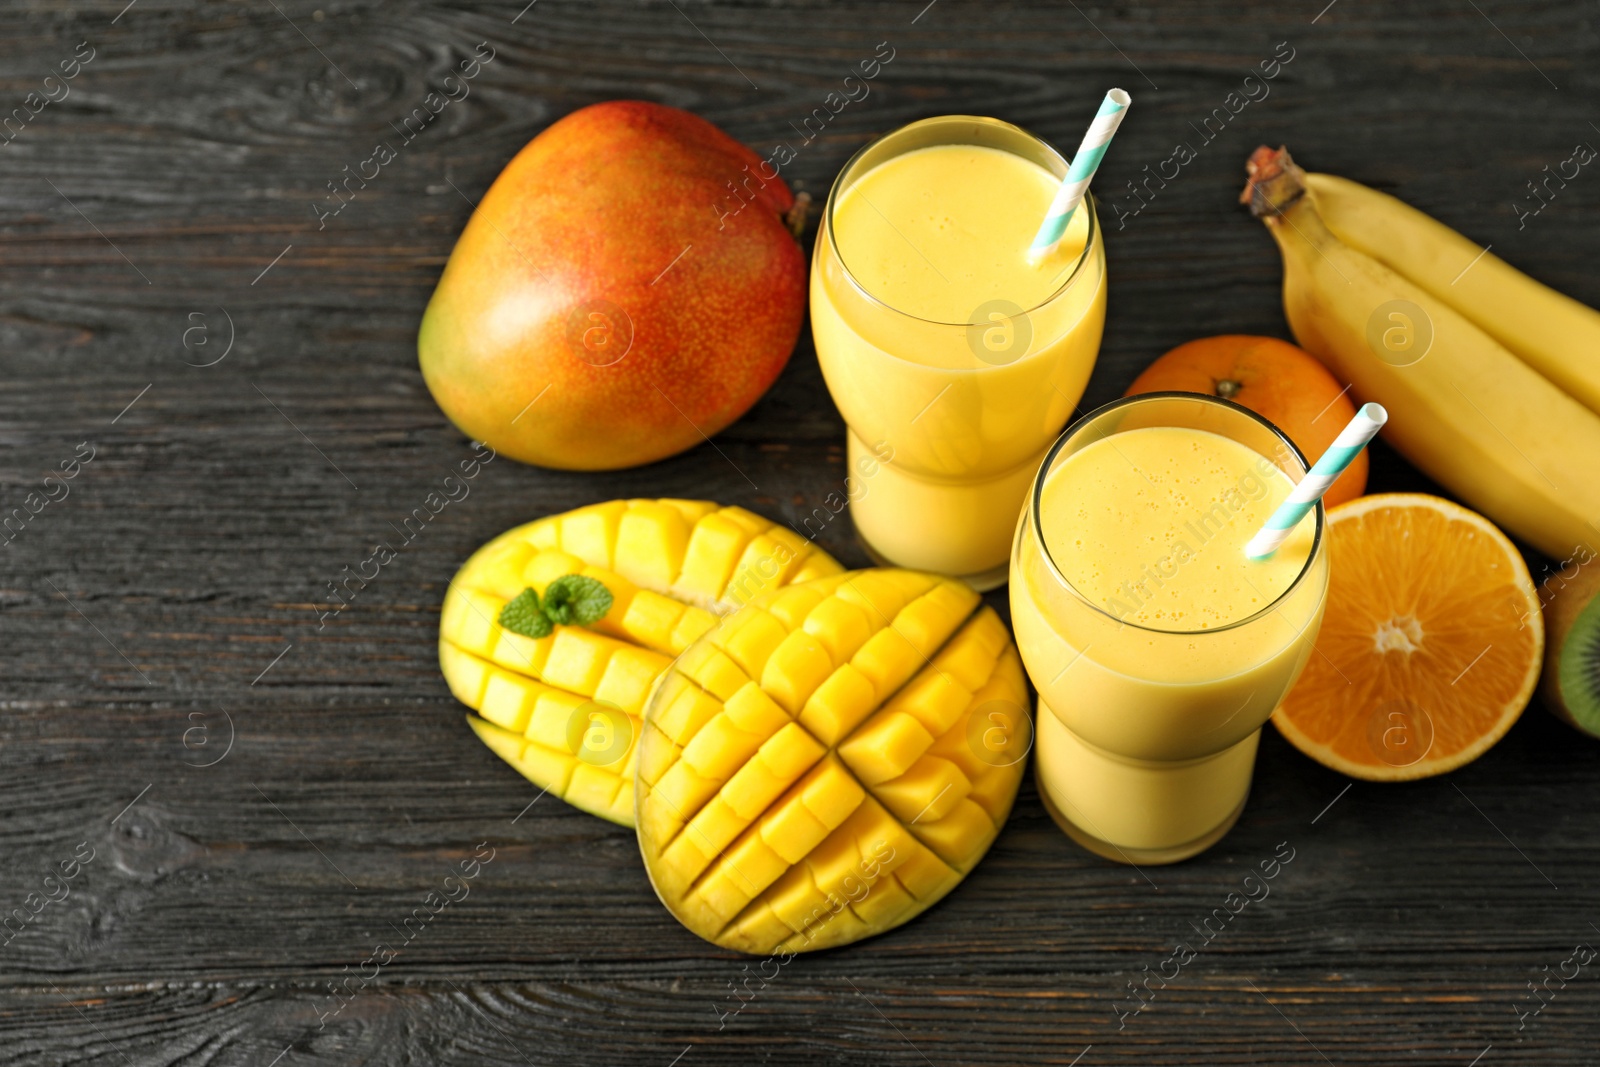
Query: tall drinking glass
column 953, row 361
column 1158, row 648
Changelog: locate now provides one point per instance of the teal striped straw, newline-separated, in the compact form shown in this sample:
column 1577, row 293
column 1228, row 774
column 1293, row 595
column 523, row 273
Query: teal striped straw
column 1084, row 163
column 1345, row 448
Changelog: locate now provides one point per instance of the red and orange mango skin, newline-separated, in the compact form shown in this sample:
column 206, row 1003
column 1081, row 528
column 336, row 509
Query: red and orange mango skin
column 612, row 301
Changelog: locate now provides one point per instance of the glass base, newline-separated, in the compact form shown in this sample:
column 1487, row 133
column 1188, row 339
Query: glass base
column 1137, row 857
column 993, row 578
column 963, row 528
column 1137, row 810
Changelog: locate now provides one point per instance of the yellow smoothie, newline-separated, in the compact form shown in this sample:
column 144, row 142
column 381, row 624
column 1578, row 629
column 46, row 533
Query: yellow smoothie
column 939, row 231
column 1158, row 647
column 1151, row 525
column 944, row 349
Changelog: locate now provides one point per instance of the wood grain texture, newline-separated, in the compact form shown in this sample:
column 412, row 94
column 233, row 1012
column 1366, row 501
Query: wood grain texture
column 178, row 587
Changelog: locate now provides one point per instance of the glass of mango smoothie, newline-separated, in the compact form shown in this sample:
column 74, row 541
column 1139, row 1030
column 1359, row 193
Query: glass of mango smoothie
column 954, row 361
column 1158, row 648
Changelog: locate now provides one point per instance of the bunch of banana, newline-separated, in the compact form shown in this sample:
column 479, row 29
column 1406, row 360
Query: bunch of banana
column 1492, row 380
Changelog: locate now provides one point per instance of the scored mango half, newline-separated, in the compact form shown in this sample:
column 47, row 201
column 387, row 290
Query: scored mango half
column 565, row 709
column 831, row 760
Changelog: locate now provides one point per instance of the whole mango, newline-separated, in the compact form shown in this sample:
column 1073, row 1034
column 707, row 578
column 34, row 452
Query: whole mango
column 627, row 287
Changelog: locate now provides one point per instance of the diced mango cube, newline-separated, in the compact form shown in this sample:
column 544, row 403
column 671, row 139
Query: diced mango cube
column 888, row 660
column 752, row 789
column 621, row 809
column 757, row 929
column 508, row 701
column 994, row 791
column 715, row 825
column 590, row 533
column 711, row 668
column 691, row 510
column 794, row 670
column 831, row 793
column 547, row 566
column 879, row 596
column 684, row 859
column 629, row 676
column 746, row 520
column 765, row 564
column 841, row 626
column 816, row 565
column 791, row 830
column 832, row 862
column 656, row 759
column 754, row 712
column 501, row 574
column 793, row 604
column 750, row 638
column 923, row 873
column 651, row 539
column 558, row 721
column 721, row 748
column 934, row 699
column 650, row 619
column 714, row 547
column 969, row 657
column 839, row 704
column 591, row 786
column 525, row 655
column 789, row 752
column 886, row 747
column 605, row 736
column 960, row 837
column 543, row 534
column 684, row 791
column 928, row 621
column 930, row 790
column 723, row 894
column 539, row 763
column 794, row 898
column 886, row 900
column 752, row 864
column 682, row 708
column 468, row 619
column 578, row 659
column 692, row 625
column 466, row 674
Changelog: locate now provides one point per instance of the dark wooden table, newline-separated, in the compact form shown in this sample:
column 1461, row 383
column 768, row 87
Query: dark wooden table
column 169, row 606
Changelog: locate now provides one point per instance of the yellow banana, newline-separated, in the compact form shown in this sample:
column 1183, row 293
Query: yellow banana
column 1465, row 410
column 1549, row 331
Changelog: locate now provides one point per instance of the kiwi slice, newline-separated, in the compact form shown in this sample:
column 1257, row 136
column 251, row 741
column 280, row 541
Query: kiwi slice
column 1572, row 649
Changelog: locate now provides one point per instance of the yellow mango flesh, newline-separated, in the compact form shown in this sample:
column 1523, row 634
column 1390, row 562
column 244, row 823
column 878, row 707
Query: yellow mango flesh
column 565, row 710
column 820, row 766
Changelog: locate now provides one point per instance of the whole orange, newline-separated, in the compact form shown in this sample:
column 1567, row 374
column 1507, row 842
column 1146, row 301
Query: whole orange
column 1283, row 384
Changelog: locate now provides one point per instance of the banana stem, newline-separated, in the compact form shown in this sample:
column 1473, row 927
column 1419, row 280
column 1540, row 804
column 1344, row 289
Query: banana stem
column 1274, row 182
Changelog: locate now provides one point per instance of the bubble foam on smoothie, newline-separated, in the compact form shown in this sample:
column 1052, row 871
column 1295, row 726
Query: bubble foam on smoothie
column 1150, row 525
column 938, row 232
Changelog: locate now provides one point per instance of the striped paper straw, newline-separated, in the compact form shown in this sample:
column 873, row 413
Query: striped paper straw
column 1084, row 163
column 1351, row 440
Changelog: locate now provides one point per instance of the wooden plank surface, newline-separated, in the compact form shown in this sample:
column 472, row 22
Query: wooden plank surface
column 177, row 589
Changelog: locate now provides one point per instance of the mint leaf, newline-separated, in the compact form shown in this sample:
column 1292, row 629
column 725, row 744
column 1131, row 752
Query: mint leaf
column 576, row 598
column 522, row 615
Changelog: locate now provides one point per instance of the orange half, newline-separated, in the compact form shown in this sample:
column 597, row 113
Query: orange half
column 1430, row 646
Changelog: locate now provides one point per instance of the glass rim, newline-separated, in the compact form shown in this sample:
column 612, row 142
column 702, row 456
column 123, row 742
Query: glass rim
column 850, row 164
column 1036, row 520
